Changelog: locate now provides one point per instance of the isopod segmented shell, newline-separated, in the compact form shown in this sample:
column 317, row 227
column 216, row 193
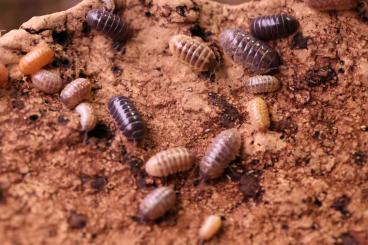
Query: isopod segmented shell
column 220, row 153
column 193, row 52
column 47, row 81
column 262, row 84
column 4, row 74
column 259, row 114
column 273, row 26
column 325, row 5
column 127, row 118
column 108, row 23
column 210, row 227
column 157, row 203
column 252, row 53
column 75, row 92
column 87, row 115
column 170, row 161
column 35, row 60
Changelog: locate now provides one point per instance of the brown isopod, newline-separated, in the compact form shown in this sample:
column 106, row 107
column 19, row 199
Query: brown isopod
column 262, row 84
column 220, row 153
column 210, row 227
column 170, row 161
column 47, row 82
column 35, row 60
column 252, row 53
column 193, row 52
column 273, row 26
column 4, row 74
column 325, row 5
column 87, row 115
column 157, row 203
column 259, row 114
column 75, row 92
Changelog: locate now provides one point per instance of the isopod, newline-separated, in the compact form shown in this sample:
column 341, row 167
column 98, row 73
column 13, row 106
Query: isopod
column 171, row 161
column 4, row 74
column 47, row 81
column 220, row 153
column 75, row 92
column 262, row 84
column 157, row 203
column 35, row 60
column 273, row 26
column 88, row 117
column 127, row 118
column 249, row 51
column 259, row 114
column 108, row 23
column 210, row 227
column 325, row 5
column 193, row 52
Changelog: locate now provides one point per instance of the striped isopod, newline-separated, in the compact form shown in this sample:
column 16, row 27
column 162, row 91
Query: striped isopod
column 171, row 161
column 35, row 60
column 47, row 81
column 157, row 203
column 210, row 227
column 4, row 74
column 262, row 84
column 220, row 153
column 325, row 5
column 259, row 114
column 193, row 52
column 127, row 118
column 249, row 51
column 75, row 92
column 273, row 26
column 108, row 23
column 88, row 117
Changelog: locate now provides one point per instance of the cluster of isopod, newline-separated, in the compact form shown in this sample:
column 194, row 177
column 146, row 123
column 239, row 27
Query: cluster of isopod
column 246, row 48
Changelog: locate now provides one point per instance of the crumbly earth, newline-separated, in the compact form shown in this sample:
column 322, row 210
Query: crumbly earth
column 303, row 182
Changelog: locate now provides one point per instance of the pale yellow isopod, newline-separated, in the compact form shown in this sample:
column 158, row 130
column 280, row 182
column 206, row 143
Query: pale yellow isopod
column 259, row 114
column 210, row 227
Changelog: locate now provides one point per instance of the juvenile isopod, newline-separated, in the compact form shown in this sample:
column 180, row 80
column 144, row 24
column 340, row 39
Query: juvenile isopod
column 259, row 114
column 47, row 81
column 210, row 227
column 220, row 153
column 75, row 92
column 35, row 60
column 127, row 118
column 252, row 53
column 171, row 161
column 157, row 203
column 4, row 74
column 273, row 26
column 325, row 5
column 193, row 52
column 262, row 84
column 87, row 115
column 108, row 23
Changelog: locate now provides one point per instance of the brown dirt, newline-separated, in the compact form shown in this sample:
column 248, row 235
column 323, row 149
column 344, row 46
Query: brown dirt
column 304, row 182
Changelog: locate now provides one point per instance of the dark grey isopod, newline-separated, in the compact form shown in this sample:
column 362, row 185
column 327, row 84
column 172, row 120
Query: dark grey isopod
column 273, row 26
column 249, row 51
column 157, row 203
column 127, row 118
column 108, row 23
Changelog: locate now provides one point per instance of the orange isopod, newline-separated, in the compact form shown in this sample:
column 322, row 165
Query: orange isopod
column 193, row 52
column 75, row 92
column 47, row 82
column 259, row 114
column 35, row 60
column 4, row 74
column 171, row 161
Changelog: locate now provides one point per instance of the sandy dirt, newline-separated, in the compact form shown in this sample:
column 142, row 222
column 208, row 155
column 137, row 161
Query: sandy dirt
column 303, row 182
